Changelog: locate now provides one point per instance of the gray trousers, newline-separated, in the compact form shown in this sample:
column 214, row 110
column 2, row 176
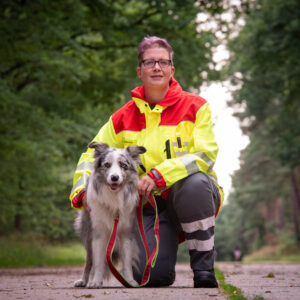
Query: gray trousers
column 190, row 208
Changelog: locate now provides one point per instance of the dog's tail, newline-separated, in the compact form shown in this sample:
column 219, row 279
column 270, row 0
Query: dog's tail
column 83, row 227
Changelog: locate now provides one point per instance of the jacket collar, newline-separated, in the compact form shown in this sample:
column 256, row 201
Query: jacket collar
column 173, row 94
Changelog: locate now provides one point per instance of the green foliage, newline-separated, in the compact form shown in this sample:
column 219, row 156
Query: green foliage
column 183, row 253
column 287, row 244
column 31, row 251
column 266, row 53
column 258, row 209
column 265, row 66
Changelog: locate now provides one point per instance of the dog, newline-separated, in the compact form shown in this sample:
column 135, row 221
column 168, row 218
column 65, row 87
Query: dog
column 111, row 192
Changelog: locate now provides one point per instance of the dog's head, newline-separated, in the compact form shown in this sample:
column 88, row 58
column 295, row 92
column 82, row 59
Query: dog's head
column 115, row 166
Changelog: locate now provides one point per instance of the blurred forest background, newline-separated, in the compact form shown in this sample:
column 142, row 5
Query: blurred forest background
column 65, row 66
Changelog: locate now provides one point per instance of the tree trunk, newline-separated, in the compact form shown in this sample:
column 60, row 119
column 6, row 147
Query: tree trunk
column 18, row 216
column 297, row 180
column 295, row 200
column 18, row 222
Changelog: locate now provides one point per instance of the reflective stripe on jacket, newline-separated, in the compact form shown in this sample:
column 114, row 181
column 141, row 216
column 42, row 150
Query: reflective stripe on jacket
column 177, row 134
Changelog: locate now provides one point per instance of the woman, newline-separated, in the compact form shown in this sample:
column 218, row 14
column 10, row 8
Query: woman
column 176, row 129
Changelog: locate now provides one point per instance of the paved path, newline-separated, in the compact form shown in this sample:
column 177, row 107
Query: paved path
column 57, row 283
column 274, row 281
column 270, row 281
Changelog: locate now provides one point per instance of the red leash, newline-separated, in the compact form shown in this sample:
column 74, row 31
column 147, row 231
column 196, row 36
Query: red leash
column 149, row 258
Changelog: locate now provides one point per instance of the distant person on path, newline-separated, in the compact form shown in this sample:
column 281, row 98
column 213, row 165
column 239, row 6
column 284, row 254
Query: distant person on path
column 237, row 253
column 176, row 129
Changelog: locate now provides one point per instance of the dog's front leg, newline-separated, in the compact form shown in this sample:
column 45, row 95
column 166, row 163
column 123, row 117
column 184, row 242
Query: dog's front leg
column 126, row 258
column 98, row 262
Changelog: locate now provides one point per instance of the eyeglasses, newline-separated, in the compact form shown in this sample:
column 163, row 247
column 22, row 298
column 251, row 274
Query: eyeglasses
column 150, row 63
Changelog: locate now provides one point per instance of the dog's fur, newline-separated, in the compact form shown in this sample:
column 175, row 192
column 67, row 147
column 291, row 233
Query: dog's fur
column 111, row 192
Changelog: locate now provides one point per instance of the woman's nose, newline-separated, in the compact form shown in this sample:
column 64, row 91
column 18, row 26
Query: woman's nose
column 156, row 65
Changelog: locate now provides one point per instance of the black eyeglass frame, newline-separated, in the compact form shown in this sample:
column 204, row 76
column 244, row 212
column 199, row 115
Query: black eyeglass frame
column 157, row 61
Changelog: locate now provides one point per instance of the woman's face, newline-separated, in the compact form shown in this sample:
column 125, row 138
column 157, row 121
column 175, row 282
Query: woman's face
column 156, row 76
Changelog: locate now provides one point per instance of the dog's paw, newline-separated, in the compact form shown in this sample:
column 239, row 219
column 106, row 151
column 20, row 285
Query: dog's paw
column 95, row 285
column 133, row 282
column 79, row 283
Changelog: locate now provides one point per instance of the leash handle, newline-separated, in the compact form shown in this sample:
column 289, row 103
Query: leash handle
column 151, row 259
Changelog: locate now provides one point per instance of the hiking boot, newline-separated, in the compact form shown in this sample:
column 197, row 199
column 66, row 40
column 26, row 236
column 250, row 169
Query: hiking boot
column 205, row 279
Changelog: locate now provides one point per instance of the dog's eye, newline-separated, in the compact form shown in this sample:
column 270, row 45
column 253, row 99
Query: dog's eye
column 107, row 165
column 124, row 166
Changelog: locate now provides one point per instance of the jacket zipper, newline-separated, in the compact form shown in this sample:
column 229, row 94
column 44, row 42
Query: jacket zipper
column 168, row 150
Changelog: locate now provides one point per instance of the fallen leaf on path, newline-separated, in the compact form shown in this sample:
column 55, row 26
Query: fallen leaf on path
column 270, row 275
column 85, row 296
column 48, row 284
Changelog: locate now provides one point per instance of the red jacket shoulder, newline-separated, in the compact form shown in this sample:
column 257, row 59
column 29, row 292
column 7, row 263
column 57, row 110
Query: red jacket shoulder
column 184, row 110
column 128, row 118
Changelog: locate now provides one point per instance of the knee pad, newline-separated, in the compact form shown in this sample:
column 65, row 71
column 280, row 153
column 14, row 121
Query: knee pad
column 163, row 281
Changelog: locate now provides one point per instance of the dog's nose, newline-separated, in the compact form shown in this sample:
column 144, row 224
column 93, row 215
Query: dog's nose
column 114, row 177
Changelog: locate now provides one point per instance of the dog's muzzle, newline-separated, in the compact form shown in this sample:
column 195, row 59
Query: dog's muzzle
column 114, row 184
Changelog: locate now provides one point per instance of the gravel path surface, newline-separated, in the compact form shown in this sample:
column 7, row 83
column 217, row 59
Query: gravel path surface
column 57, row 283
column 274, row 281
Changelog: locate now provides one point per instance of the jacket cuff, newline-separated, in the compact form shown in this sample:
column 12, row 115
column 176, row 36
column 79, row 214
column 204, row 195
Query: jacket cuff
column 77, row 199
column 157, row 177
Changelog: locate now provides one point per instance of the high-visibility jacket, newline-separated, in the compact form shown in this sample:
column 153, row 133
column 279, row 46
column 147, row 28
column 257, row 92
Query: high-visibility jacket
column 177, row 134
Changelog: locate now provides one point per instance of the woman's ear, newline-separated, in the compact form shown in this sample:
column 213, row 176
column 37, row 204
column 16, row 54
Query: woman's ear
column 173, row 71
column 138, row 71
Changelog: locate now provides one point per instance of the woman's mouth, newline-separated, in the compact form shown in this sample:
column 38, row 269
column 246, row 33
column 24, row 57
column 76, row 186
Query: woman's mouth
column 156, row 76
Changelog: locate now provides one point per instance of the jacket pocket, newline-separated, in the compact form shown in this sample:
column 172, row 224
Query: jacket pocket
column 129, row 142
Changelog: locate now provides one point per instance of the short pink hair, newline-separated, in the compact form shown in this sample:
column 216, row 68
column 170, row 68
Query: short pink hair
column 152, row 41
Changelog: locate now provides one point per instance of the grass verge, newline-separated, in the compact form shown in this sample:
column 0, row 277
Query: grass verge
column 29, row 252
column 270, row 254
column 282, row 258
column 231, row 291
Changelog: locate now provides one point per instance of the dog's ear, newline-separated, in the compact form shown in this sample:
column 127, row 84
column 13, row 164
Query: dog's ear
column 99, row 148
column 134, row 151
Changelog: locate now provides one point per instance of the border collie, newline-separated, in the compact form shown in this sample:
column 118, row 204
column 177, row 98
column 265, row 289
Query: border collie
column 111, row 192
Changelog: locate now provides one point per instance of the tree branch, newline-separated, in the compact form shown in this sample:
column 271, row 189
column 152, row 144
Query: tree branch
column 11, row 69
